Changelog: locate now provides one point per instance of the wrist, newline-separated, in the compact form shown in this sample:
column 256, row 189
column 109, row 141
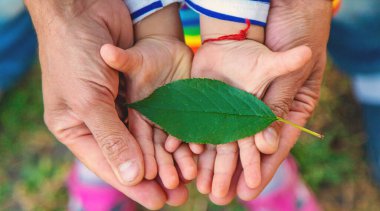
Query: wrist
column 307, row 5
column 213, row 28
column 54, row 7
column 89, row 22
column 165, row 22
column 45, row 13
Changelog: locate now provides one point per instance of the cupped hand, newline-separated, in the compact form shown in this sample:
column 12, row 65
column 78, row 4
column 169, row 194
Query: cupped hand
column 79, row 90
column 295, row 95
column 251, row 66
column 153, row 62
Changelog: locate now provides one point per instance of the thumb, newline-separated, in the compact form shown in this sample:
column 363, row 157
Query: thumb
column 116, row 143
column 289, row 61
column 119, row 59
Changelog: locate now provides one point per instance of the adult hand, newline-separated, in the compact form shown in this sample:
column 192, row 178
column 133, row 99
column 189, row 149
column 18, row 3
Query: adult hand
column 257, row 68
column 251, row 66
column 158, row 57
column 294, row 96
column 153, row 62
column 79, row 91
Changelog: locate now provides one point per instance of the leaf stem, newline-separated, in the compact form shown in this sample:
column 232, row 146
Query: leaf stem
column 300, row 127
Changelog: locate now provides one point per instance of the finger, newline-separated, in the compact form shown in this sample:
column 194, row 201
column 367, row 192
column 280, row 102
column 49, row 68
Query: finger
column 118, row 146
column 250, row 161
column 269, row 166
column 172, row 144
column 206, row 169
column 279, row 97
column 231, row 192
column 301, row 109
column 166, row 169
column 143, row 132
column 288, row 61
column 181, row 178
column 123, row 24
column 270, row 163
column 224, row 168
column 119, row 59
column 176, row 196
column 147, row 193
column 185, row 161
column 196, row 148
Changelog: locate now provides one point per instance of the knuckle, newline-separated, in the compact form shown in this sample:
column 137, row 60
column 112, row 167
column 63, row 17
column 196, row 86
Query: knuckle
column 53, row 125
column 112, row 146
column 246, row 144
column 306, row 101
column 210, row 147
column 49, row 121
column 98, row 95
column 59, row 130
column 227, row 149
column 250, row 163
column 281, row 107
column 85, row 102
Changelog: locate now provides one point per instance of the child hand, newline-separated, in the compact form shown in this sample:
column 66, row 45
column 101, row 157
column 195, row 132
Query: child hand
column 151, row 63
column 251, row 66
column 172, row 144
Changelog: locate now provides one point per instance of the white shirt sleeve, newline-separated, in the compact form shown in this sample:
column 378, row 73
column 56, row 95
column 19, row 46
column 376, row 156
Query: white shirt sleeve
column 140, row 9
column 233, row 10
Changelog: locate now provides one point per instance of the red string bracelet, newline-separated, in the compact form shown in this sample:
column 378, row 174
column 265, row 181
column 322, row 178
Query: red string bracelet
column 241, row 36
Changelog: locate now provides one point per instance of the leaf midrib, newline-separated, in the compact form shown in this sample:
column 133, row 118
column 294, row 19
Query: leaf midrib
column 207, row 112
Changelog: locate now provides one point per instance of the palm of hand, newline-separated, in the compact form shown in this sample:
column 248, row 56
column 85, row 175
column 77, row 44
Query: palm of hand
column 290, row 24
column 251, row 66
column 79, row 93
column 158, row 61
column 247, row 65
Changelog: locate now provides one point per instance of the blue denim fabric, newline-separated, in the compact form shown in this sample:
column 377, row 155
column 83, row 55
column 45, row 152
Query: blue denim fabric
column 355, row 48
column 355, row 37
column 371, row 116
column 18, row 45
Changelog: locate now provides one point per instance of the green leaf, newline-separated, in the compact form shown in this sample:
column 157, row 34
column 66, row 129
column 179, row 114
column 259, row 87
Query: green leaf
column 205, row 111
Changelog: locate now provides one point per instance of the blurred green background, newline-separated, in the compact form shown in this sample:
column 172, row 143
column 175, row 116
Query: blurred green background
column 34, row 165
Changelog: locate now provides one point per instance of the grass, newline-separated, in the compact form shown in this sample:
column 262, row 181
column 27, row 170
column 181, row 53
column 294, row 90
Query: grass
column 34, row 166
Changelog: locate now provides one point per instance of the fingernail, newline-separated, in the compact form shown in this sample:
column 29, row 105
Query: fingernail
column 129, row 171
column 271, row 137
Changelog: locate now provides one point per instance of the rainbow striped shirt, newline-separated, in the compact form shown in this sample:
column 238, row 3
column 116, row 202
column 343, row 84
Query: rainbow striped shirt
column 238, row 11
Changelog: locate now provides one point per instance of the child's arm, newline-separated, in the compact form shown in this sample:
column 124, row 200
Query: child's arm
column 158, row 57
column 212, row 28
column 165, row 23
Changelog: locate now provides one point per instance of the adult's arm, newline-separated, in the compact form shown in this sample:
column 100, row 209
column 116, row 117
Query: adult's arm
column 79, row 90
